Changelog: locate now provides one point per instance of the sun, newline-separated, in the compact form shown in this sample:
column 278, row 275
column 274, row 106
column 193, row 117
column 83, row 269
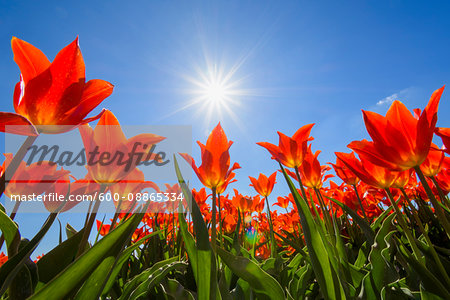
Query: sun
column 215, row 93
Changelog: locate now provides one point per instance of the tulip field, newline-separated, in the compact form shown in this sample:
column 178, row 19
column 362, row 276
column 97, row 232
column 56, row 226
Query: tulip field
column 373, row 224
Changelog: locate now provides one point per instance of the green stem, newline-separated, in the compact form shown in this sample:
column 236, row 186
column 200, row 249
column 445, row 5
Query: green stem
column 405, row 228
column 213, row 220
column 273, row 248
column 441, row 192
column 10, row 170
column 360, row 202
column 90, row 223
column 301, row 185
column 15, row 162
column 220, row 222
column 116, row 215
column 427, row 238
column 439, row 210
column 325, row 212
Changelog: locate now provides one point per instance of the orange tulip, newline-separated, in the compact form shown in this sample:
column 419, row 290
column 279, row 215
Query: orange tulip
column 243, row 203
column 215, row 171
column 132, row 184
column 36, row 178
column 401, row 140
column 345, row 173
column 283, row 202
column 443, row 178
column 60, row 187
column 103, row 229
column 3, row 258
column 311, row 171
column 229, row 224
column 403, row 179
column 258, row 204
column 369, row 173
column 52, row 93
column 444, row 134
column 200, row 197
column 433, row 163
column 110, row 155
column 263, row 185
column 290, row 151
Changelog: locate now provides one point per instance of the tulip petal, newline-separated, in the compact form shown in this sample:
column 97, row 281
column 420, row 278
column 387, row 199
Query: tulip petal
column 303, row 133
column 68, row 65
column 94, row 92
column 217, row 141
column 108, row 132
column 401, row 119
column 30, row 59
column 9, row 122
column 68, row 80
column 87, row 136
column 273, row 149
column 367, row 150
column 444, row 134
column 142, row 143
column 191, row 161
column 376, row 126
column 432, row 107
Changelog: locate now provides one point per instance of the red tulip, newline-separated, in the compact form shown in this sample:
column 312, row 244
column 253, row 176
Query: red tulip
column 283, row 202
column 401, row 140
column 103, row 229
column 263, row 185
column 290, row 151
column 105, row 143
column 36, row 178
column 3, row 258
column 369, row 173
column 215, row 171
column 345, row 173
column 134, row 183
column 443, row 178
column 444, row 133
column 433, row 163
column 52, row 93
column 311, row 171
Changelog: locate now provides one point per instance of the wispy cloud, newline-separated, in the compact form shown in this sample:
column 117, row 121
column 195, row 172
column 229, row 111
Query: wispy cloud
column 389, row 99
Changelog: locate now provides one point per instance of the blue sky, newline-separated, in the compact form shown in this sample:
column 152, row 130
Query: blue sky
column 294, row 62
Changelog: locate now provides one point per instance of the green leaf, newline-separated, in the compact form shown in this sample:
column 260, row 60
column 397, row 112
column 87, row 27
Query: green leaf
column 382, row 272
column 319, row 254
column 52, row 263
column 378, row 221
column 14, row 264
column 70, row 231
column 174, row 289
column 123, row 258
column 94, row 283
column 262, row 283
column 131, row 286
column 242, row 291
column 154, row 279
column 425, row 295
column 431, row 284
column 368, row 231
column 206, row 277
column 9, row 229
column 75, row 274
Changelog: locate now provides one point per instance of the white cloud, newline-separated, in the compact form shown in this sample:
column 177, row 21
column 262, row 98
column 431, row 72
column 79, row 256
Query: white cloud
column 389, row 99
